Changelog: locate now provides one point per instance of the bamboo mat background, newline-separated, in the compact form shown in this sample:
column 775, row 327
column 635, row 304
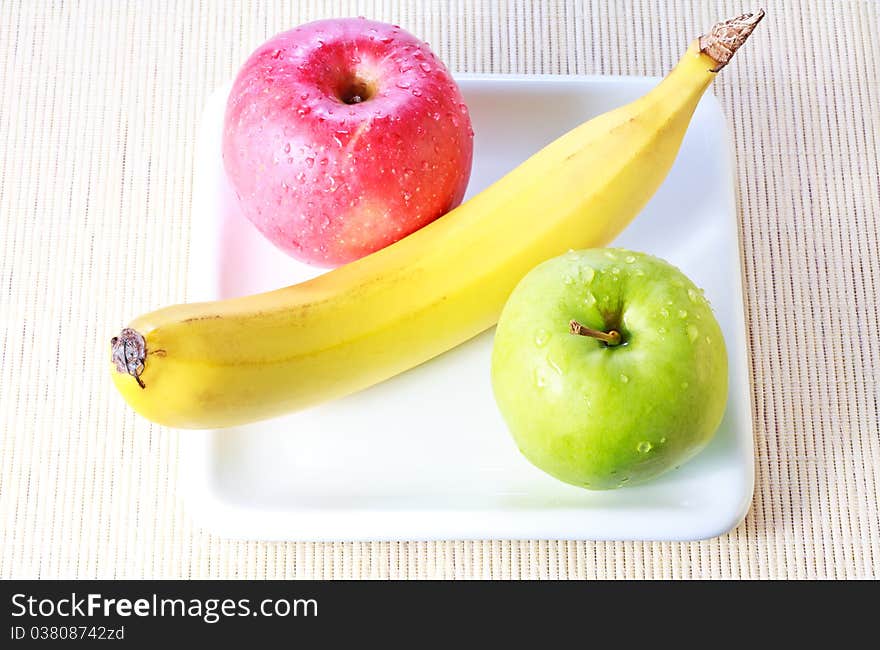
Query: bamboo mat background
column 99, row 103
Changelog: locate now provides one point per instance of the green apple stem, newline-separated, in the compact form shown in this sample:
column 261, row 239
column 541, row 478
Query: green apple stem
column 611, row 337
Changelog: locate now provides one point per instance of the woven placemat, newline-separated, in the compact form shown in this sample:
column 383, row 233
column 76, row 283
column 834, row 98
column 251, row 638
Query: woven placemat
column 99, row 103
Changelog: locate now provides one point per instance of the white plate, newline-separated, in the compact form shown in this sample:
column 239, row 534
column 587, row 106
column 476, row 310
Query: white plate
column 426, row 455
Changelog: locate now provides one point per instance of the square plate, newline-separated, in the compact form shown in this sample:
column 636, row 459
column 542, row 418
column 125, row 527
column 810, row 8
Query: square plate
column 426, row 455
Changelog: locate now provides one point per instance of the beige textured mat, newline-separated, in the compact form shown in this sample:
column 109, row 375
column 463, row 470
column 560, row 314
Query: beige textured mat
column 99, row 105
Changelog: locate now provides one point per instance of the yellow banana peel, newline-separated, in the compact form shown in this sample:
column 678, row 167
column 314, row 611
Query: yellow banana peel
column 230, row 362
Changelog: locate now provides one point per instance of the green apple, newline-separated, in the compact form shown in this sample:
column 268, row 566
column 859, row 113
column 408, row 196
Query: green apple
column 609, row 367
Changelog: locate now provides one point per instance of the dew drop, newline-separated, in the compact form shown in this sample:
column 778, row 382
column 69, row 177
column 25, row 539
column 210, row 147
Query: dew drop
column 540, row 379
column 590, row 300
column 644, row 447
column 610, row 255
column 310, row 162
column 587, row 274
column 568, row 280
column 663, row 440
column 692, row 295
column 541, row 337
column 682, row 313
column 662, row 330
column 425, row 67
column 624, row 378
column 287, row 148
column 664, row 312
column 403, row 84
column 639, row 272
column 677, row 283
column 692, row 333
column 615, row 270
column 630, row 259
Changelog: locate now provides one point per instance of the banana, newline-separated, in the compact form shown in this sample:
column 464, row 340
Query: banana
column 231, row 362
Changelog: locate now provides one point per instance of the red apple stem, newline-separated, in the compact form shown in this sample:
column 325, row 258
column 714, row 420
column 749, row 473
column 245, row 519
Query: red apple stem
column 611, row 337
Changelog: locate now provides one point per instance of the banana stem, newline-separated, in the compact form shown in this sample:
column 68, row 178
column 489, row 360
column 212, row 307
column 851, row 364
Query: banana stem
column 725, row 38
column 611, row 337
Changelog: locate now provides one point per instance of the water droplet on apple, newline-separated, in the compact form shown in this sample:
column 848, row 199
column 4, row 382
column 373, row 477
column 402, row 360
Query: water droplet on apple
column 425, row 67
column 541, row 337
column 403, row 84
column 644, row 447
column 682, row 313
column 677, row 283
column 639, row 272
column 540, row 379
column 615, row 270
column 610, row 255
column 568, row 280
column 664, row 312
column 287, row 148
column 663, row 440
column 630, row 259
column 624, row 378
column 590, row 300
column 554, row 365
column 661, row 331
column 310, row 162
column 692, row 295
column 692, row 333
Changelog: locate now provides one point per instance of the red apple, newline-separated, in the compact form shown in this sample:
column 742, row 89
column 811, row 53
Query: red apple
column 343, row 136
